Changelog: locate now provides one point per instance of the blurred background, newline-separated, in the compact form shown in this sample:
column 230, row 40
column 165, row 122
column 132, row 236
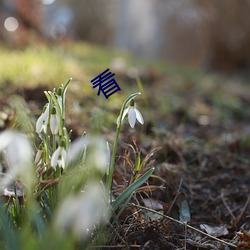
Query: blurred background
column 211, row 34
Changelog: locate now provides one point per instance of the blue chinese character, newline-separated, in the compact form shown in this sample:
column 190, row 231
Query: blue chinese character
column 108, row 87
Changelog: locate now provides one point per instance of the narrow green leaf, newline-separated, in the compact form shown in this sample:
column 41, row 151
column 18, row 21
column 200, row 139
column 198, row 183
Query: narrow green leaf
column 185, row 212
column 128, row 191
column 39, row 222
column 10, row 236
column 65, row 87
column 122, row 209
column 138, row 163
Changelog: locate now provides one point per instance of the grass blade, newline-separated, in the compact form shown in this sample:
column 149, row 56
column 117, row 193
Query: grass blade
column 128, row 191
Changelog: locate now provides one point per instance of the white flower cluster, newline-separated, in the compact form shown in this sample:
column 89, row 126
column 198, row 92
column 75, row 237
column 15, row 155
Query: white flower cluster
column 50, row 116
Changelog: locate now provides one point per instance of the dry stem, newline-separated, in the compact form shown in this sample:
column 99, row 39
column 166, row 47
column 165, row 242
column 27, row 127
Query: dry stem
column 184, row 224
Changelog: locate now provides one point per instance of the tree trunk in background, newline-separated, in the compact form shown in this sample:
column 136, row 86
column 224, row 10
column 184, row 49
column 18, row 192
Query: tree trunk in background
column 229, row 35
column 214, row 33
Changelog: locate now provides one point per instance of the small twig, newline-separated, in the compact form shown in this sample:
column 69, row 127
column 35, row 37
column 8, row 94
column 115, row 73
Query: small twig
column 48, row 185
column 227, row 207
column 57, row 180
column 175, row 198
column 116, row 246
column 148, row 188
column 239, row 217
column 185, row 242
column 184, row 224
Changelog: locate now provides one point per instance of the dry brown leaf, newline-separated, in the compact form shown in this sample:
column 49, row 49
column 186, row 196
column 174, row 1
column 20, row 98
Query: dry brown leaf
column 245, row 236
column 214, row 230
column 152, row 204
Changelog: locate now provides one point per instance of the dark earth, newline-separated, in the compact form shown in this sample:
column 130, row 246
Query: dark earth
column 201, row 155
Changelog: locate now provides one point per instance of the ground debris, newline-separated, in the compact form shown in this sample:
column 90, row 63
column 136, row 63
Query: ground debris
column 245, row 237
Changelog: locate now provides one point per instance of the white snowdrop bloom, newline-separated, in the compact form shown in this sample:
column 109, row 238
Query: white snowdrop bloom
column 133, row 114
column 42, row 121
column 80, row 214
column 5, row 139
column 98, row 152
column 59, row 157
column 54, row 121
column 77, row 149
column 17, row 152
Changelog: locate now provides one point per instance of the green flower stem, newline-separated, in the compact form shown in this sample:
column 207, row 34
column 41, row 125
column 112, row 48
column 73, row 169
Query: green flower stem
column 112, row 163
column 53, row 97
column 61, row 112
column 47, row 137
column 65, row 87
column 66, row 137
column 54, row 142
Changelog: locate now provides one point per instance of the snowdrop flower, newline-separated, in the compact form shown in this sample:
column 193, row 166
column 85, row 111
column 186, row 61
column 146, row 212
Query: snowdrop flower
column 17, row 152
column 54, row 121
column 42, row 122
column 98, row 152
column 59, row 157
column 79, row 214
column 133, row 114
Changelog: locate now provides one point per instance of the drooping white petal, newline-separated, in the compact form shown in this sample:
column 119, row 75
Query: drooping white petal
column 54, row 124
column 98, row 152
column 55, row 156
column 5, row 139
column 19, row 151
column 44, row 127
column 125, row 112
column 139, row 116
column 101, row 154
column 77, row 148
column 39, row 123
column 123, row 116
column 79, row 214
column 18, row 156
column 61, row 163
column 132, row 117
column 59, row 157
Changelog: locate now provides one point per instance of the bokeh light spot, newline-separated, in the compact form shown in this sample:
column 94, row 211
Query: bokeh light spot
column 58, row 31
column 11, row 24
